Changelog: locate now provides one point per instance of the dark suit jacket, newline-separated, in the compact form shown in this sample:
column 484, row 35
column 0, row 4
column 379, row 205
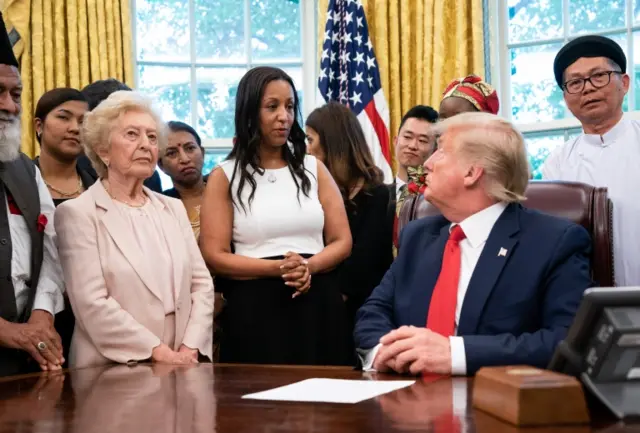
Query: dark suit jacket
column 517, row 307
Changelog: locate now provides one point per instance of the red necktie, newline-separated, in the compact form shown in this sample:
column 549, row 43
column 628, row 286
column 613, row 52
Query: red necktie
column 442, row 309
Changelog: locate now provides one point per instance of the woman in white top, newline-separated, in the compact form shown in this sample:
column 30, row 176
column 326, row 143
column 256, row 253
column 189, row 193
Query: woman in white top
column 273, row 227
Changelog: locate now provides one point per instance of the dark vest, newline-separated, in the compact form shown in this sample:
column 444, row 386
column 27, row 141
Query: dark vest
column 18, row 178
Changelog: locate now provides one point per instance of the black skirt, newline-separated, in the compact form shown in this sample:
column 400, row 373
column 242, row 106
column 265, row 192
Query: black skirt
column 262, row 324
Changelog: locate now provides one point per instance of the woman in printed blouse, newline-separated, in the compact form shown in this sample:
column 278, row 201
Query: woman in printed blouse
column 470, row 93
column 462, row 95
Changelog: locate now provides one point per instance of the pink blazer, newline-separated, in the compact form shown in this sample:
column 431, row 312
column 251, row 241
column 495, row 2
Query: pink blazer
column 119, row 311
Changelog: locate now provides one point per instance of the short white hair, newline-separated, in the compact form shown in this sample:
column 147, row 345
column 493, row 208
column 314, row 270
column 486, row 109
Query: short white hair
column 99, row 123
column 497, row 146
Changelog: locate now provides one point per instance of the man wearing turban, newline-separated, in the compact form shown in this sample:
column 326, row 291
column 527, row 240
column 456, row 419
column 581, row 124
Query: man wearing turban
column 31, row 280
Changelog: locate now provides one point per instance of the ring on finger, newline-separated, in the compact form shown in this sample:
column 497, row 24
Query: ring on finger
column 41, row 346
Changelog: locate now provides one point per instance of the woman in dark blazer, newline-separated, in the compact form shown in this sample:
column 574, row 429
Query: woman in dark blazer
column 335, row 137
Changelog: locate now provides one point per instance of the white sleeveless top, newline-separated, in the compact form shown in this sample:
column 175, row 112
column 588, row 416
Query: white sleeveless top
column 278, row 220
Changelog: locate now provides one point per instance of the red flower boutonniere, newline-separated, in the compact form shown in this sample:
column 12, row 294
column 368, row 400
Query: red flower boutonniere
column 42, row 222
column 417, row 179
column 413, row 188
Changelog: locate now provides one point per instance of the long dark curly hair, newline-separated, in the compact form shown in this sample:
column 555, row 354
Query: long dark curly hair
column 248, row 134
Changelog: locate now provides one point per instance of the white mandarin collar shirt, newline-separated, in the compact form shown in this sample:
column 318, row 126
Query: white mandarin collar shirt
column 611, row 160
column 399, row 184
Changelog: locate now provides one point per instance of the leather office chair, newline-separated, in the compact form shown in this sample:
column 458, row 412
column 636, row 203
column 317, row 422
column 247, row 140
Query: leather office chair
column 581, row 203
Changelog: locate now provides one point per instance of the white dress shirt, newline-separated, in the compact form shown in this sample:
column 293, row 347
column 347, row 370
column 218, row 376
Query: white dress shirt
column 611, row 161
column 399, row 184
column 51, row 284
column 477, row 228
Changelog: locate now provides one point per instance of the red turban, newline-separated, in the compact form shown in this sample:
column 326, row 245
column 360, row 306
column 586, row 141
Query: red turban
column 476, row 91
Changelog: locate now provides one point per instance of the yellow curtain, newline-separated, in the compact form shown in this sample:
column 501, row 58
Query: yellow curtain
column 420, row 45
column 68, row 43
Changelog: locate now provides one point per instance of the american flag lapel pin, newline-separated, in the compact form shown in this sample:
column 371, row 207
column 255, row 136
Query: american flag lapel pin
column 502, row 252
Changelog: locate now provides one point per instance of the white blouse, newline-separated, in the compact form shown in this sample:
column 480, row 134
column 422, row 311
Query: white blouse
column 144, row 223
column 279, row 219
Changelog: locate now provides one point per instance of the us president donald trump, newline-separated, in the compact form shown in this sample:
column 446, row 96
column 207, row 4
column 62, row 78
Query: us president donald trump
column 488, row 282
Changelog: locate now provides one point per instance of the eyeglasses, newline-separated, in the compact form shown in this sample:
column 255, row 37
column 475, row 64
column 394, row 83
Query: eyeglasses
column 597, row 80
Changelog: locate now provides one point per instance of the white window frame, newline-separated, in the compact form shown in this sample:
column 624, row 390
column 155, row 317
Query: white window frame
column 499, row 68
column 308, row 36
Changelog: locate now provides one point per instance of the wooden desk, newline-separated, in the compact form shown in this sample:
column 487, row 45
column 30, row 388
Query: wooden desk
column 207, row 399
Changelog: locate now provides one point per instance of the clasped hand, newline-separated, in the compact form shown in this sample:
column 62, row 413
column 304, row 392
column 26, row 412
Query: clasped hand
column 295, row 272
column 27, row 336
column 413, row 350
column 165, row 355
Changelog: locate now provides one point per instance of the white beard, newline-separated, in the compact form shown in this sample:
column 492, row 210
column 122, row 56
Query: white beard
column 10, row 137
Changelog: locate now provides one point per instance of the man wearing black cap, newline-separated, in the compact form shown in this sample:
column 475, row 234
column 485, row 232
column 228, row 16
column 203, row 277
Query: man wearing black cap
column 31, row 281
column 591, row 70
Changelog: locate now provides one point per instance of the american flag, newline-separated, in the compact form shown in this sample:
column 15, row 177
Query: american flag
column 349, row 74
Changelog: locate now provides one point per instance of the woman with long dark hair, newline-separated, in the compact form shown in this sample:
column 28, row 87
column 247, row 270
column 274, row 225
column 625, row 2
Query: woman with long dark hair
column 57, row 119
column 335, row 137
column 273, row 228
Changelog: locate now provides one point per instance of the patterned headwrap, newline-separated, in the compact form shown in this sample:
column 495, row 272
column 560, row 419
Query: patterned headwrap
column 476, row 91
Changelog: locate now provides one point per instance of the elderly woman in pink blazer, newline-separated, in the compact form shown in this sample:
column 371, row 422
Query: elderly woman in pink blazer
column 135, row 277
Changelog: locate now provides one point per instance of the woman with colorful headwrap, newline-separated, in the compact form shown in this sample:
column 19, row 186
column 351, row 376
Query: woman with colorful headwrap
column 470, row 93
column 462, row 95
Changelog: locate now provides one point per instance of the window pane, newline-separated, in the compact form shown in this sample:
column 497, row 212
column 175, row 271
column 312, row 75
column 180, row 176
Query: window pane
column 296, row 76
column 217, row 88
column 169, row 87
column 162, row 30
column 275, row 29
column 634, row 70
column 539, row 145
column 220, row 30
column 573, row 133
column 621, row 39
column 535, row 96
column 588, row 16
column 531, row 20
column 213, row 157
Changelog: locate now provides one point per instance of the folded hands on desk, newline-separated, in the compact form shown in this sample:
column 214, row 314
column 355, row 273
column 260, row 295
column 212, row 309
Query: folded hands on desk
column 409, row 349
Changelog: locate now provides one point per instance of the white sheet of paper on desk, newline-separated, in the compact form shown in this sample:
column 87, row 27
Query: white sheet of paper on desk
column 331, row 390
